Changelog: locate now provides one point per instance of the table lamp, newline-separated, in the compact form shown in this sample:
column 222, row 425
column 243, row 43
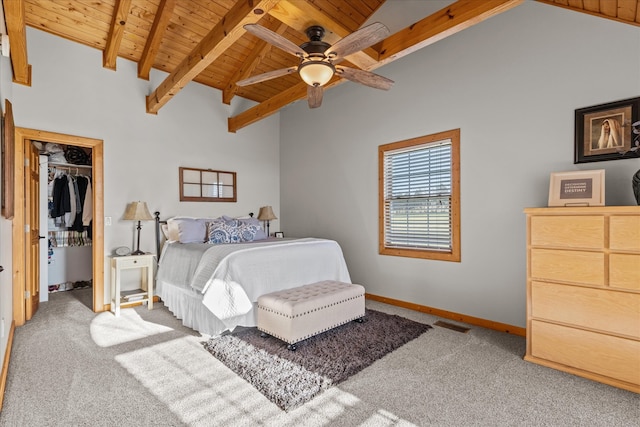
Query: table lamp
column 266, row 214
column 137, row 211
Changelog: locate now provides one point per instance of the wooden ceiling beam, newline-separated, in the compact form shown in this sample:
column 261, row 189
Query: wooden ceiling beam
column 300, row 15
column 268, row 107
column 116, row 31
column 625, row 11
column 160, row 24
column 456, row 17
column 220, row 38
column 14, row 16
column 450, row 20
column 255, row 57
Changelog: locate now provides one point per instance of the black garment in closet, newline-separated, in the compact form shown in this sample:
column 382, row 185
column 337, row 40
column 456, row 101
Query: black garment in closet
column 61, row 197
column 61, row 203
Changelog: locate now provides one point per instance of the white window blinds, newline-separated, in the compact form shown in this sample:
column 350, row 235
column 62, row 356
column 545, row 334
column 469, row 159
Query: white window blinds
column 417, row 197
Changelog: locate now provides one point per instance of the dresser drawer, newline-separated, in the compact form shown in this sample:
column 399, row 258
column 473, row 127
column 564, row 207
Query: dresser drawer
column 624, row 233
column 603, row 310
column 568, row 266
column 584, row 232
column 613, row 357
column 624, row 271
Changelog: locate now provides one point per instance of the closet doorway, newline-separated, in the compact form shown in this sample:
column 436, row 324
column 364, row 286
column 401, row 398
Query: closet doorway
column 66, row 220
column 23, row 264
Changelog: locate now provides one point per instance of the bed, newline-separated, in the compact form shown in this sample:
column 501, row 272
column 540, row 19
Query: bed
column 214, row 287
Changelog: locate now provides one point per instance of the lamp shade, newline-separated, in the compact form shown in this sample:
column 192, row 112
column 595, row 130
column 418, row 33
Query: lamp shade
column 266, row 214
column 316, row 73
column 137, row 211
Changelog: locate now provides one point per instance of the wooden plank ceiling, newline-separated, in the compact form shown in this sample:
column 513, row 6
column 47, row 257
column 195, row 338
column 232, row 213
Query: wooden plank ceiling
column 203, row 40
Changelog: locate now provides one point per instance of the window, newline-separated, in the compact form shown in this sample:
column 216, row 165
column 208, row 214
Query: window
column 207, row 185
column 419, row 197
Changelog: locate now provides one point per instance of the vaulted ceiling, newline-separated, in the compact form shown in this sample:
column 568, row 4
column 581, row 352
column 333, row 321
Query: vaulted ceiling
column 204, row 40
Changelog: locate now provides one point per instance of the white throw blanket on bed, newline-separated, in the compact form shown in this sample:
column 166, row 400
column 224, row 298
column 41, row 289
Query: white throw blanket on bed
column 233, row 276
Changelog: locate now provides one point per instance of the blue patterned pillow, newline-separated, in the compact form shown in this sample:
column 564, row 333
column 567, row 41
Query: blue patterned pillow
column 259, row 234
column 232, row 231
column 247, row 232
column 218, row 232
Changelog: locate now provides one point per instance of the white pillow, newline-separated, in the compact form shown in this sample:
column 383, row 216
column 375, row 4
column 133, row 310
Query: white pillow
column 173, row 233
column 165, row 231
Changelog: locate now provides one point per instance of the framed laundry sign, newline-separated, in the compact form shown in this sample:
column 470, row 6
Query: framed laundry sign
column 581, row 188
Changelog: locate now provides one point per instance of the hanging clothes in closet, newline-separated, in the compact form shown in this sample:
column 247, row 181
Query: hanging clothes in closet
column 70, row 211
column 70, row 200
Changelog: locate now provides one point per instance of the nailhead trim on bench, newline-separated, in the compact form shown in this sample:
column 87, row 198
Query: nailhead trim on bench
column 270, row 310
column 315, row 333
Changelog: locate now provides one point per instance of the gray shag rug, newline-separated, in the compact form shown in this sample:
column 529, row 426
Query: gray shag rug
column 291, row 378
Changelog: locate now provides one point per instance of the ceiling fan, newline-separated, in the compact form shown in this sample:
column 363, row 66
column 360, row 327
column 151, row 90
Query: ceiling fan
column 318, row 59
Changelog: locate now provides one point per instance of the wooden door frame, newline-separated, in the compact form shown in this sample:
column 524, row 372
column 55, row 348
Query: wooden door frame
column 22, row 135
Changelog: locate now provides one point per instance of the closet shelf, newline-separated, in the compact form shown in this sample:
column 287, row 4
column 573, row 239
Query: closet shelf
column 68, row 165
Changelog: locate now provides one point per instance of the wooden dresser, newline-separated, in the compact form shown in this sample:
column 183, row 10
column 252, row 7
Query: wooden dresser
column 583, row 292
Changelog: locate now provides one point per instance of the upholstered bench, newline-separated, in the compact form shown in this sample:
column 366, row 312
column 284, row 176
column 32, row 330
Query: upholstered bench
column 293, row 315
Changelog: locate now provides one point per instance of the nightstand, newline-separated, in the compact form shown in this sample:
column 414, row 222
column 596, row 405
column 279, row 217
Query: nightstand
column 126, row 298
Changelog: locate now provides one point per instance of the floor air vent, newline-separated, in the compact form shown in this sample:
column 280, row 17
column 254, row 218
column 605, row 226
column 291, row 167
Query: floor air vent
column 452, row 326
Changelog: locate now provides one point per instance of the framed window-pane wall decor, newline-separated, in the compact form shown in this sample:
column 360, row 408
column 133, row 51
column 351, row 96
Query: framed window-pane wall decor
column 207, row 185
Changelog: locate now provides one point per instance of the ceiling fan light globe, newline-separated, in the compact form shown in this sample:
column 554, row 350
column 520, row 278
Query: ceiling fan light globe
column 316, row 73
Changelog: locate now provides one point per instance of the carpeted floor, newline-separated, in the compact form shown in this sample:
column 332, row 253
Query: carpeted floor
column 72, row 367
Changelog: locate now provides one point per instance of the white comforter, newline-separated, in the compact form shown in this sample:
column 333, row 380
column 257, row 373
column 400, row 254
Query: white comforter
column 232, row 277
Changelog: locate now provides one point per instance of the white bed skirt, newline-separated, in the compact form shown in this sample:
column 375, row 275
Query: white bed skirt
column 186, row 305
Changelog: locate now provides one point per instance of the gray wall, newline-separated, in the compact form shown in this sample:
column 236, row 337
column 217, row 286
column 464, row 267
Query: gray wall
column 511, row 84
column 71, row 93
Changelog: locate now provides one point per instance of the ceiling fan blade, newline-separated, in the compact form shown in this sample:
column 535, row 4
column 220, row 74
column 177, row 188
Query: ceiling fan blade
column 365, row 77
column 314, row 96
column 275, row 39
column 358, row 40
column 266, row 76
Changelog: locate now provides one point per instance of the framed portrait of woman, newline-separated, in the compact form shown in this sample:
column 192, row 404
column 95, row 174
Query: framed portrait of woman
column 607, row 131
